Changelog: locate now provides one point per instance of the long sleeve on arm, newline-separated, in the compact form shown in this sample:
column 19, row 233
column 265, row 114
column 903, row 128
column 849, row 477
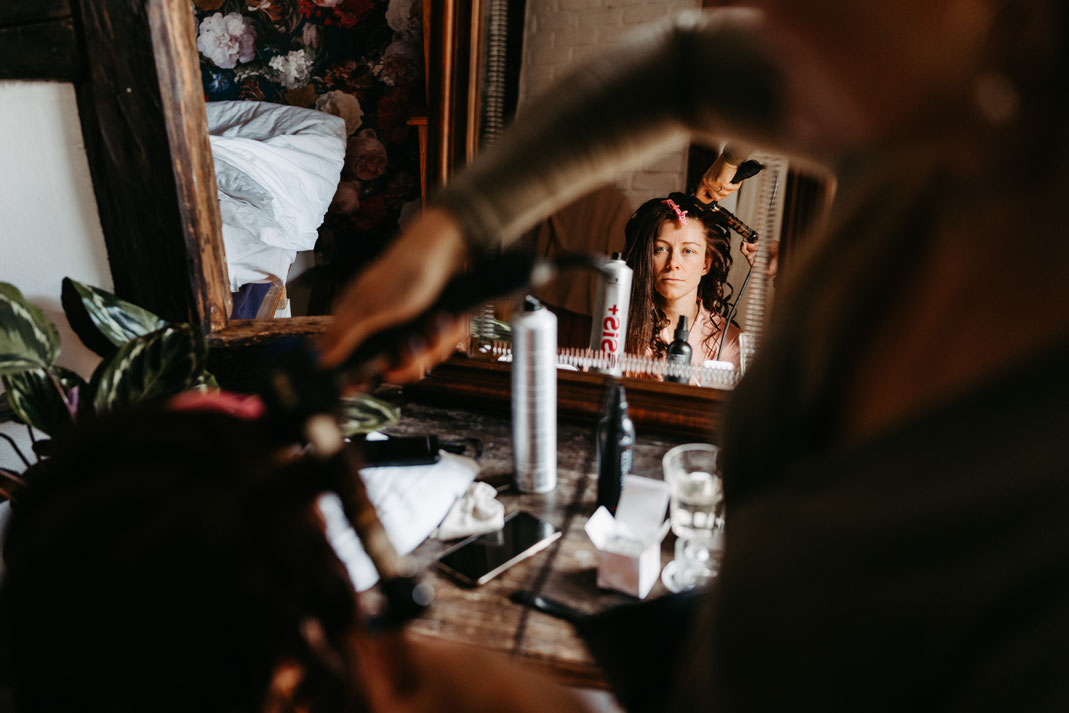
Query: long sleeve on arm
column 735, row 153
column 701, row 74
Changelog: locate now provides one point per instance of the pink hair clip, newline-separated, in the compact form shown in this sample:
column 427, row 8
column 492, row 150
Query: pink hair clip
column 681, row 214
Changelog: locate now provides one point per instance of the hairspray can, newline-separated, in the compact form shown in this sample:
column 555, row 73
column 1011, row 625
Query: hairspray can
column 534, row 397
column 609, row 331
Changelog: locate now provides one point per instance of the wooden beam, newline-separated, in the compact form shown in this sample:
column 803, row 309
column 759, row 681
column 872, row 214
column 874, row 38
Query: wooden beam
column 19, row 12
column 174, row 37
column 40, row 50
column 237, row 351
column 146, row 141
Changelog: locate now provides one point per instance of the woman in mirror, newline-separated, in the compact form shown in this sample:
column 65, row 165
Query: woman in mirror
column 680, row 255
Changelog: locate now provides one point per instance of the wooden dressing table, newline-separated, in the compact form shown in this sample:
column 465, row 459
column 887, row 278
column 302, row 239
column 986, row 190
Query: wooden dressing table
column 484, row 616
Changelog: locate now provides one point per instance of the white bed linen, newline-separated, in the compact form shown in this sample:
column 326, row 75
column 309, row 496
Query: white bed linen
column 277, row 168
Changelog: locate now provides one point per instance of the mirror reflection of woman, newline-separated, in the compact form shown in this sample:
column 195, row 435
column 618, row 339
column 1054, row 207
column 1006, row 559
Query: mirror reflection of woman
column 680, row 255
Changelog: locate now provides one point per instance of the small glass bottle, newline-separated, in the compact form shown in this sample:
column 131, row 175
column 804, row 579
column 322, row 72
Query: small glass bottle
column 679, row 352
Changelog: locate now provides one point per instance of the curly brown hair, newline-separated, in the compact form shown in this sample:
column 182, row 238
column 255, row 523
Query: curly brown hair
column 646, row 316
column 170, row 561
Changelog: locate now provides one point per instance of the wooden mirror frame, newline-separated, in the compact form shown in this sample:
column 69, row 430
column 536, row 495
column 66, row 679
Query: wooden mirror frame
column 135, row 69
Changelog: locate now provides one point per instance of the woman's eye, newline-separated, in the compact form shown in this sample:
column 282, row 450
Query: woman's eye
column 658, row 250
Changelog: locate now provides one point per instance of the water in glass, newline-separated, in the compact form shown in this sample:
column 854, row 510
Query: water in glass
column 697, row 505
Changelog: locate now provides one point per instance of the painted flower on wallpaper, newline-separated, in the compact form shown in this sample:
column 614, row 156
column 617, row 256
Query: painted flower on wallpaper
column 311, row 35
column 404, row 16
column 371, row 213
column 346, row 198
column 344, row 105
column 284, row 15
column 250, row 91
column 343, row 13
column 303, row 97
column 294, row 69
column 399, row 188
column 400, row 64
column 219, row 82
column 226, row 40
column 350, row 76
column 392, row 113
column 365, row 156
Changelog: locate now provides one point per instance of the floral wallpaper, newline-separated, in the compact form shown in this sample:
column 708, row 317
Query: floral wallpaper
column 361, row 60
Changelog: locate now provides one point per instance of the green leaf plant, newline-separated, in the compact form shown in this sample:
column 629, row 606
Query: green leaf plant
column 144, row 359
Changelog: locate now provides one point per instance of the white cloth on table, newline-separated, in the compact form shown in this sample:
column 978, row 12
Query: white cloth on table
column 411, row 502
column 478, row 511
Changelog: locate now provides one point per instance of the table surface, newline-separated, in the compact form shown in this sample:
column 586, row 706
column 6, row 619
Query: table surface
column 565, row 571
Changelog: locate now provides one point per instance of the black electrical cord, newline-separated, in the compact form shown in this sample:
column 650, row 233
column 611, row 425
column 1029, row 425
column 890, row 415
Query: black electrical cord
column 731, row 313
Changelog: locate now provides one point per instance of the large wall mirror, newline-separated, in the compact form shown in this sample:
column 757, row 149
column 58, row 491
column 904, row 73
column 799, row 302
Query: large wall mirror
column 521, row 49
column 144, row 68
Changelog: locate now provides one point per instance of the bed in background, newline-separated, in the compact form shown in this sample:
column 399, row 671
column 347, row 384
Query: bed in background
column 277, row 169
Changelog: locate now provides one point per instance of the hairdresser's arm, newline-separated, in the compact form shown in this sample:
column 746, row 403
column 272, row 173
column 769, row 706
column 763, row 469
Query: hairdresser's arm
column 653, row 92
column 702, row 75
column 716, row 184
column 749, row 251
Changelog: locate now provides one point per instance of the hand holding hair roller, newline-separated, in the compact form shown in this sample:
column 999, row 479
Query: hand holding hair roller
column 747, row 169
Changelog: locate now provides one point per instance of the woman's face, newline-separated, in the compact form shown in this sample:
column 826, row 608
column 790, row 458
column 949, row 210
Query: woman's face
column 680, row 259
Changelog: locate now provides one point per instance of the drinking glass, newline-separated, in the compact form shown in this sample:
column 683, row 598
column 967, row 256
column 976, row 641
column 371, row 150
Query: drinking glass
column 696, row 512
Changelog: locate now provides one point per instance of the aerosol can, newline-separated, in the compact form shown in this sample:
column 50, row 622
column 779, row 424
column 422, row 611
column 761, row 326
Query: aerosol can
column 534, row 397
column 609, row 331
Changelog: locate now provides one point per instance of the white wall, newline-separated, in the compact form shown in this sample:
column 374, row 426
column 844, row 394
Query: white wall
column 49, row 227
column 558, row 34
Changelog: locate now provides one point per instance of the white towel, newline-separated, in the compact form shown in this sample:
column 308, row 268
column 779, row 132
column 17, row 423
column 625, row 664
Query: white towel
column 411, row 501
column 476, row 512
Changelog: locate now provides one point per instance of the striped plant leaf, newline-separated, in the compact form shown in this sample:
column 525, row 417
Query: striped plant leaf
column 206, row 381
column 148, row 368
column 44, row 448
column 103, row 321
column 363, row 414
column 7, row 413
column 33, row 397
column 28, row 339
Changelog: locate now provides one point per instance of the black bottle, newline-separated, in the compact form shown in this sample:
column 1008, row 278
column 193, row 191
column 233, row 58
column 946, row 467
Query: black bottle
column 615, row 442
column 679, row 351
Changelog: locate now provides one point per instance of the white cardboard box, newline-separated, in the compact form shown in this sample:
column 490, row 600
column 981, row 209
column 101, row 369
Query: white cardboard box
column 629, row 545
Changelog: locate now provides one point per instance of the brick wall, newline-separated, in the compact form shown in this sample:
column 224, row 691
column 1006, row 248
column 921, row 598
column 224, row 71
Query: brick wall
column 561, row 33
